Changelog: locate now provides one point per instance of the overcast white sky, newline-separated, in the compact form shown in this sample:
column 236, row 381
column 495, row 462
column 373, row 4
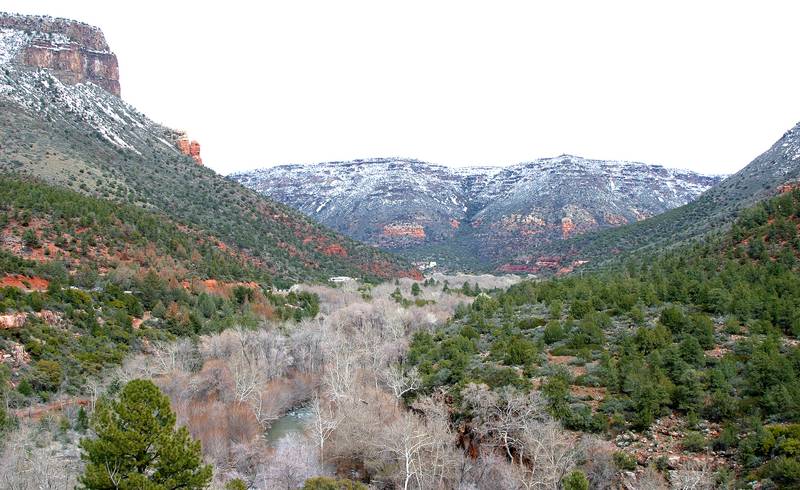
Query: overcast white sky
column 706, row 85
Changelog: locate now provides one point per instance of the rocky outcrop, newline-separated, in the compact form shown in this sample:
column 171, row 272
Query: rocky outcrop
column 15, row 357
column 73, row 51
column 409, row 230
column 18, row 320
column 567, row 227
column 335, row 249
column 533, row 265
column 615, row 219
column 189, row 148
column 788, row 187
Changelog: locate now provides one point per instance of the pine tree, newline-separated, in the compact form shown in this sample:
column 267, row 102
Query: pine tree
column 82, row 421
column 137, row 447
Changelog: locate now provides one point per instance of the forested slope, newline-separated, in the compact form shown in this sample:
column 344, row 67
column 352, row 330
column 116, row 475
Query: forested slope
column 699, row 342
column 84, row 281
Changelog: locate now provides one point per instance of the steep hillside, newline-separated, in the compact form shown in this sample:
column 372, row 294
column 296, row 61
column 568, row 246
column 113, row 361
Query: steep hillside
column 475, row 216
column 44, row 229
column 59, row 128
column 765, row 176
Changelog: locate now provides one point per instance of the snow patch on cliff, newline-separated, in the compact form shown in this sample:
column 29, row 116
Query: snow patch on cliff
column 12, row 42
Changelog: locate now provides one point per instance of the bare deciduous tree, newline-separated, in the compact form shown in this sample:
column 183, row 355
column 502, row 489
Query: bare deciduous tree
column 171, row 356
column 401, row 381
column 545, row 454
column 341, row 369
column 650, row 479
column 540, row 451
column 502, row 416
column 696, row 476
column 442, row 461
column 599, row 466
column 402, row 447
column 323, row 423
column 293, row 463
column 32, row 460
column 490, row 471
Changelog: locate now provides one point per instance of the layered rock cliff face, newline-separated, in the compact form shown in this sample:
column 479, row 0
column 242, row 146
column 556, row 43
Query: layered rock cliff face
column 72, row 51
column 478, row 215
column 64, row 70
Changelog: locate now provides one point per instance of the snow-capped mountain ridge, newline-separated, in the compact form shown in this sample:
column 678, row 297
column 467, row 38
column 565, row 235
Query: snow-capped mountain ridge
column 409, row 204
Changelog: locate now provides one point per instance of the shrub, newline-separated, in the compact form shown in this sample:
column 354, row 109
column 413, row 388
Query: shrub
column 673, row 318
column 30, row 239
column 694, row 442
column 237, row 484
column 25, row 388
column 782, row 470
column 553, row 332
column 47, row 375
column 624, row 461
column 575, row 481
column 326, row 483
column 530, row 323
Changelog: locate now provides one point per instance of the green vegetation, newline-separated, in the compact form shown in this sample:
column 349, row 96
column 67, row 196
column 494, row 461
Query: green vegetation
column 325, row 483
column 97, row 327
column 109, row 264
column 105, row 233
column 137, row 445
column 575, row 481
column 236, row 484
column 155, row 177
column 653, row 337
column 624, row 461
column 397, row 296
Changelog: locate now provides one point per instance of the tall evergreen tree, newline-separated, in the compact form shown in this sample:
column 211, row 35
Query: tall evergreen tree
column 137, row 447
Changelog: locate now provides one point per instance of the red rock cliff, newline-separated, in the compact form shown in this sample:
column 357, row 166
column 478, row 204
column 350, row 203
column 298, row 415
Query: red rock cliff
column 190, row 148
column 73, row 51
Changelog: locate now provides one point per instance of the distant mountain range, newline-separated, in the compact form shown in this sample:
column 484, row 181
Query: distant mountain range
column 475, row 217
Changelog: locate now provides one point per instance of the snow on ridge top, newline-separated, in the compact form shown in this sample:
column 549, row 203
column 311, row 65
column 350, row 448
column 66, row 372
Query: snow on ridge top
column 44, row 18
column 44, row 24
column 478, row 170
column 57, row 31
column 546, row 163
column 600, row 164
column 363, row 164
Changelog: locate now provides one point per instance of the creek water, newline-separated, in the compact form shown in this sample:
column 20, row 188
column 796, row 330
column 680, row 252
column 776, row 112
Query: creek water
column 294, row 422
